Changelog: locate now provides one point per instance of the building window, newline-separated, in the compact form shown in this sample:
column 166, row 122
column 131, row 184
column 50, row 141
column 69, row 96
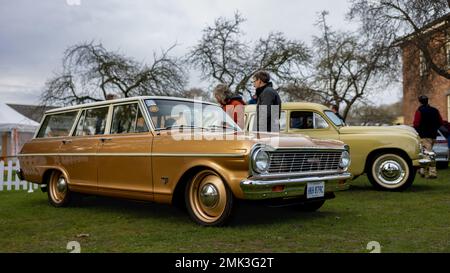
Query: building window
column 422, row 64
column 447, row 49
column 448, row 107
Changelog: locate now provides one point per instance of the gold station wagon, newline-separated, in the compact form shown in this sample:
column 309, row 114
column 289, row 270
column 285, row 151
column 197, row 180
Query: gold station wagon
column 388, row 155
column 178, row 151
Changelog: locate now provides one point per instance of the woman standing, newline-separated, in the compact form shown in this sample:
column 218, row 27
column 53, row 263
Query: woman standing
column 232, row 104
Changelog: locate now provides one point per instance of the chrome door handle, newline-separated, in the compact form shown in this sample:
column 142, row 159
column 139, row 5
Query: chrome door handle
column 66, row 141
column 103, row 139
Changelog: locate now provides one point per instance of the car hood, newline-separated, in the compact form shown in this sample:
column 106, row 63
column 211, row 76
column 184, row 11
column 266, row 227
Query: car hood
column 383, row 130
column 280, row 140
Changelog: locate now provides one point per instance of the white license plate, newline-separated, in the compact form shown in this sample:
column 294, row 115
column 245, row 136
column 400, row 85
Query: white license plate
column 314, row 190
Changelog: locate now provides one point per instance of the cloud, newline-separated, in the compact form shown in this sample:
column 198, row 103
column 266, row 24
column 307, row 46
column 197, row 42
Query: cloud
column 34, row 34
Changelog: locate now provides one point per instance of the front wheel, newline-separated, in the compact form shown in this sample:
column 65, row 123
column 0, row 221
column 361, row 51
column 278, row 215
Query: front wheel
column 391, row 172
column 209, row 201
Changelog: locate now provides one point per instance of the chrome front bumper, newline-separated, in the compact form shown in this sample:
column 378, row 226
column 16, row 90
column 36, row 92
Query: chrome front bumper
column 255, row 189
column 425, row 159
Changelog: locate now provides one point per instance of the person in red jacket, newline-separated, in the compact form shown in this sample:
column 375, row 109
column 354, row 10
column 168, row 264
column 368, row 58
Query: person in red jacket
column 232, row 104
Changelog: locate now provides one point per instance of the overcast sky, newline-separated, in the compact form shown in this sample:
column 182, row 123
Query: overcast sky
column 34, row 34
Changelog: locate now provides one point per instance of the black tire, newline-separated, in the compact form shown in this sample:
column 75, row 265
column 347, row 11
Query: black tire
column 442, row 164
column 58, row 194
column 310, row 206
column 391, row 172
column 215, row 206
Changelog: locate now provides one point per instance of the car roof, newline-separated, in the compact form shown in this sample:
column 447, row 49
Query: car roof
column 107, row 102
column 293, row 106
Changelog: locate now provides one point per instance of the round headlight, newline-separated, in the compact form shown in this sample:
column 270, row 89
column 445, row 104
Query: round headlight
column 345, row 160
column 261, row 161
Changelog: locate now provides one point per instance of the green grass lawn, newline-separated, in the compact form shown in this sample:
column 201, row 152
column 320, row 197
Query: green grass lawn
column 417, row 220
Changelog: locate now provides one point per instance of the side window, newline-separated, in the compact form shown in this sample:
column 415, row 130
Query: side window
column 57, row 125
column 92, row 122
column 306, row 120
column 301, row 120
column 319, row 122
column 128, row 118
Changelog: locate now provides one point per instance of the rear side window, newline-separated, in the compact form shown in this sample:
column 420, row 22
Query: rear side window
column 128, row 119
column 92, row 122
column 57, row 125
column 306, row 120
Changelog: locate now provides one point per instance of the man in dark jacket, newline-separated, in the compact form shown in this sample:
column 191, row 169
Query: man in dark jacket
column 427, row 121
column 268, row 105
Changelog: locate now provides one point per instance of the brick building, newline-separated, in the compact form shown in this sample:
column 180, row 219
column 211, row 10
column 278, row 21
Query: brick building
column 418, row 78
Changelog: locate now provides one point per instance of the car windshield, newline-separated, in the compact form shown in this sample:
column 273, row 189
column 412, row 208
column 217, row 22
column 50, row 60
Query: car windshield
column 168, row 114
column 335, row 119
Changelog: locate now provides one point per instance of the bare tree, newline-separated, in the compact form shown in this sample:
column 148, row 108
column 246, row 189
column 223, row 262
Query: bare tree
column 369, row 114
column 300, row 92
column 222, row 55
column 389, row 21
column 90, row 73
column 345, row 67
column 198, row 93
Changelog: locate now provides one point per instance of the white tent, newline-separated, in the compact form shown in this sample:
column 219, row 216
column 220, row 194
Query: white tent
column 15, row 130
column 11, row 119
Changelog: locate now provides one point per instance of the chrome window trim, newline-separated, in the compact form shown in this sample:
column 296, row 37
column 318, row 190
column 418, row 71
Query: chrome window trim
column 146, row 115
column 90, row 108
column 82, row 111
column 315, row 115
column 103, row 103
column 52, row 114
column 153, row 127
column 139, row 104
column 240, row 155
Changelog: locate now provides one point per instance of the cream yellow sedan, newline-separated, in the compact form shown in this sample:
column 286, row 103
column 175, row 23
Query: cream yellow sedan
column 389, row 156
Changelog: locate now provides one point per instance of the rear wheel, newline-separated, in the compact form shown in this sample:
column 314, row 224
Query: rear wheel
column 391, row 172
column 209, row 201
column 58, row 191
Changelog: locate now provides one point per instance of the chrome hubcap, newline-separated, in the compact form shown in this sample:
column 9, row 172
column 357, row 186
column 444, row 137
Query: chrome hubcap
column 391, row 172
column 209, row 195
column 61, row 185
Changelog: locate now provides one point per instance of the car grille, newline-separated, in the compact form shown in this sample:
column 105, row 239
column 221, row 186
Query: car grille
column 307, row 161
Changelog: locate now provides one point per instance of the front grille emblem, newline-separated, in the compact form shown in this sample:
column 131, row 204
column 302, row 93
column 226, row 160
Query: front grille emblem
column 313, row 160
